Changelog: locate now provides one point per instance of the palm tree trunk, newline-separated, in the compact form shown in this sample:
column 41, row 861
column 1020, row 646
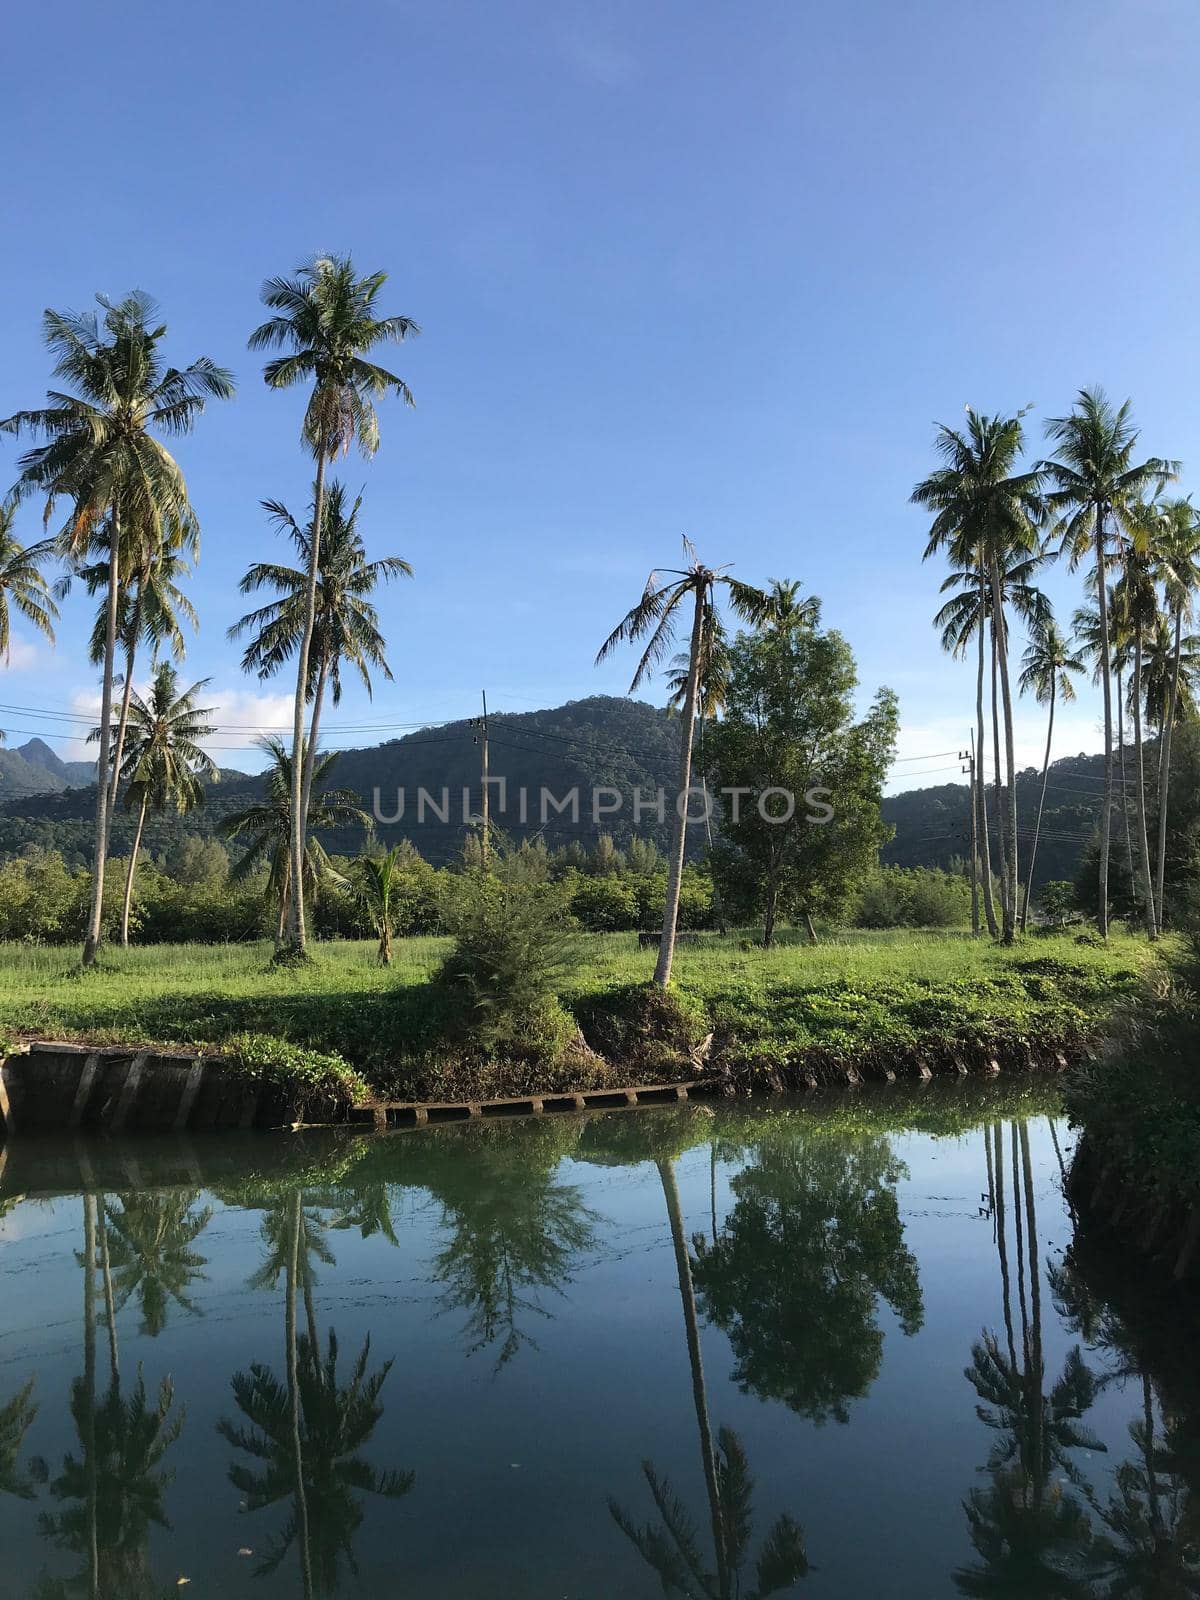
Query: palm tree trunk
column 718, row 907
column 96, row 917
column 1000, row 623
column 1001, row 832
column 1035, row 1361
column 310, row 754
column 1121, row 778
column 122, row 724
column 132, row 868
column 293, row 1267
column 1037, row 826
column 666, row 948
column 687, row 1295
column 110, row 1308
column 1139, row 758
column 980, row 800
column 296, row 910
column 1164, row 769
column 1106, row 684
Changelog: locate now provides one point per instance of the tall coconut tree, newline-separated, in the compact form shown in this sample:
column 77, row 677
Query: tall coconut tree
column 153, row 611
column 653, row 618
column 1046, row 669
column 326, row 319
column 266, row 828
column 1095, row 487
column 345, row 622
column 1135, row 601
column 1087, row 631
column 966, row 616
column 985, row 512
column 1179, row 570
column 22, row 586
column 164, row 765
column 711, row 690
column 102, row 454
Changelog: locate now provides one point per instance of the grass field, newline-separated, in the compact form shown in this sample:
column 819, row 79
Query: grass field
column 844, row 999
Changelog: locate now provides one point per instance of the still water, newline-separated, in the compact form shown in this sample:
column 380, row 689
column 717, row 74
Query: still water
column 844, row 1350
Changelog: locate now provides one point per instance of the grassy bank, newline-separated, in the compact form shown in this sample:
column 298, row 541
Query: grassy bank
column 860, row 999
column 1138, row 1165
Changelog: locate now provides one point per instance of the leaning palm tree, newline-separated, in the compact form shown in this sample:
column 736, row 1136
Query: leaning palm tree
column 655, row 615
column 985, row 511
column 102, row 454
column 326, row 319
column 346, row 624
column 266, row 828
column 164, row 764
column 376, row 879
column 21, row 582
column 1179, row 570
column 1046, row 669
column 1095, row 488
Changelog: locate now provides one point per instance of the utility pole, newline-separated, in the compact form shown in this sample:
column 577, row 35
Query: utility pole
column 485, row 811
column 968, row 758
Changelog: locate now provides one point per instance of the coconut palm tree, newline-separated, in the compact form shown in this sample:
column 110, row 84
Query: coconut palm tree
column 787, row 605
column 21, row 582
column 1046, row 669
column 1179, row 570
column 711, row 691
column 163, row 764
column 655, row 615
column 375, row 877
column 1086, row 628
column 326, row 319
column 153, row 609
column 1095, row 488
column 102, row 454
column 16, row 1419
column 345, row 625
column 266, row 826
column 152, row 1255
column 985, row 511
column 1136, row 605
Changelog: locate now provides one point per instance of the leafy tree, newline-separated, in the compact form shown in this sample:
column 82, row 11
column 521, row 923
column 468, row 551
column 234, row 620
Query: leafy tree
column 1058, row 900
column 789, row 727
column 1179, row 568
column 653, row 619
column 21, row 582
column 1046, row 669
column 1095, row 488
column 326, row 319
column 103, row 456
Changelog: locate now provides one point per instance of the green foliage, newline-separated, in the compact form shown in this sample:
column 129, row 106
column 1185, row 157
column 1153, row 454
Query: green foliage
column 1057, row 901
column 511, row 950
column 913, row 897
column 315, row 1077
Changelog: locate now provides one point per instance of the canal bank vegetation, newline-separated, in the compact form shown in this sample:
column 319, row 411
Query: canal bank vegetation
column 443, row 1023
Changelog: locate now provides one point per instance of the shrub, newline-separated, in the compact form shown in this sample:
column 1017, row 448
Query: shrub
column 604, row 904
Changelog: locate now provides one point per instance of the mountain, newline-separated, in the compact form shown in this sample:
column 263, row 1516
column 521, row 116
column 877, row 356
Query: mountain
column 604, row 743
column 33, row 768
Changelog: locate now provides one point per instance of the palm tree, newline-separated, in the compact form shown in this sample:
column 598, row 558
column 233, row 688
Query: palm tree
column 712, row 689
column 1086, row 627
column 163, row 763
column 102, row 454
column 985, row 512
column 655, row 615
column 1136, row 603
column 16, row 1418
column 1046, row 669
column 153, row 609
column 786, row 606
column 376, row 877
column 21, row 581
column 1179, row 568
column 1095, row 487
column 325, row 317
column 266, row 826
column 153, row 1258
column 345, row 625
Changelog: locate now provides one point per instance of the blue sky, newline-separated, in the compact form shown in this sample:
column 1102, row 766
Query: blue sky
column 696, row 269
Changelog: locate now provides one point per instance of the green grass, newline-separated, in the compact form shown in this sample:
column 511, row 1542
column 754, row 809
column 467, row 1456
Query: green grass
column 850, row 998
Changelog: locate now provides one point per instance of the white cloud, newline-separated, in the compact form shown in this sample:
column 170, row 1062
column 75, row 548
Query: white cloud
column 22, row 654
column 240, row 716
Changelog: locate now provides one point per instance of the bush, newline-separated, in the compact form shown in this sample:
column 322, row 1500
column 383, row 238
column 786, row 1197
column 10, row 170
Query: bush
column 604, row 904
column 646, row 1032
column 913, row 897
column 511, row 948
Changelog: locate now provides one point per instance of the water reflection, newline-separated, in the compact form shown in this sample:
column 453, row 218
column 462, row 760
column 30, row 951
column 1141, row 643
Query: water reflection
column 711, row 1339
